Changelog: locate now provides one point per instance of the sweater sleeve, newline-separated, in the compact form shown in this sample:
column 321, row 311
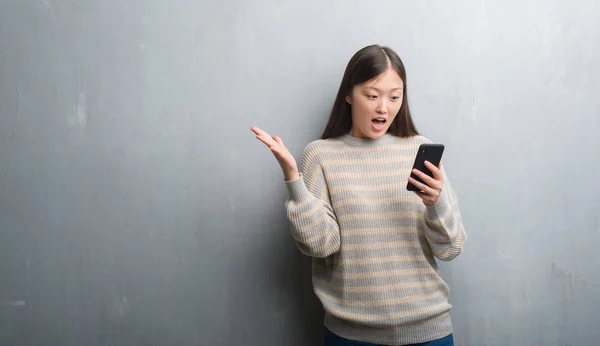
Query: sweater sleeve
column 443, row 224
column 313, row 223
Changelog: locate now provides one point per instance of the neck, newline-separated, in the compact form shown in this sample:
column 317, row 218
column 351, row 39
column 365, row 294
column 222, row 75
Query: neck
column 367, row 142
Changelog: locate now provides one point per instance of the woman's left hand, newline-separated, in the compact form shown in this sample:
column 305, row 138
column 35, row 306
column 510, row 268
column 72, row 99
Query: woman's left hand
column 432, row 189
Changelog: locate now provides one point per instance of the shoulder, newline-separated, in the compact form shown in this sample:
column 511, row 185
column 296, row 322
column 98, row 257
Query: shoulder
column 317, row 149
column 325, row 144
column 418, row 139
column 412, row 143
column 406, row 147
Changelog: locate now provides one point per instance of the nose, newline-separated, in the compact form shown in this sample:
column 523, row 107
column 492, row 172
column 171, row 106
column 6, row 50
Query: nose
column 381, row 107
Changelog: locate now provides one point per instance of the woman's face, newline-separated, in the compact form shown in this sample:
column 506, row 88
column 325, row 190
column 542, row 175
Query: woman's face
column 375, row 104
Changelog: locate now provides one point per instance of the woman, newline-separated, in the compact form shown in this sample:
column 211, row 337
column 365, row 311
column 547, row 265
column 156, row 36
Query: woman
column 373, row 242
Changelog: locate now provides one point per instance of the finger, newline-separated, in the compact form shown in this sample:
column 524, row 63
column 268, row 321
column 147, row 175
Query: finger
column 268, row 140
column 259, row 131
column 437, row 175
column 273, row 146
column 278, row 149
column 422, row 195
column 426, row 178
column 264, row 136
column 279, row 141
column 425, row 197
column 422, row 187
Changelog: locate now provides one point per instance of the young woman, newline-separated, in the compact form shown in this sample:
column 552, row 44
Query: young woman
column 373, row 242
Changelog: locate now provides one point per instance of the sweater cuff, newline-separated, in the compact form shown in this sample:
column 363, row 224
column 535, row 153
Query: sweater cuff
column 436, row 211
column 297, row 189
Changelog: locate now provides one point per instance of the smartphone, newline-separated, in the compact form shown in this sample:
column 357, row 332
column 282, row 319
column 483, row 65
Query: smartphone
column 431, row 152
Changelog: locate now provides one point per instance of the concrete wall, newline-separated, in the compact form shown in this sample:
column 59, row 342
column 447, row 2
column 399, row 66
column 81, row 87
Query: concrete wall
column 137, row 208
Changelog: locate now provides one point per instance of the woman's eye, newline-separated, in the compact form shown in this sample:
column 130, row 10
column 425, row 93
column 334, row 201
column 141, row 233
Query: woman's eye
column 395, row 98
column 372, row 97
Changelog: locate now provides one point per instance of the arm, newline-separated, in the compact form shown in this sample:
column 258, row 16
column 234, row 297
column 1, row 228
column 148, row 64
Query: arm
column 443, row 224
column 313, row 223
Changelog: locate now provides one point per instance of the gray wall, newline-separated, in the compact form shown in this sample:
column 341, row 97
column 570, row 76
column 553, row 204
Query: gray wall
column 137, row 208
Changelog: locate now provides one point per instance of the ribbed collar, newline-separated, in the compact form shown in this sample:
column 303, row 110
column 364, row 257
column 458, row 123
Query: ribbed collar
column 367, row 142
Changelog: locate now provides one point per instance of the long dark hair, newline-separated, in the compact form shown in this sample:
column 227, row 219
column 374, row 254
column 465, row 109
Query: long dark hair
column 366, row 64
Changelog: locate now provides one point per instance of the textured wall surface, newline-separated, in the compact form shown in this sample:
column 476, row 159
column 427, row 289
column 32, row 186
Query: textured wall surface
column 137, row 208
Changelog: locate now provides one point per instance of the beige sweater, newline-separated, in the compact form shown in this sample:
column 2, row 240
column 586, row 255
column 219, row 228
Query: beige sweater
column 373, row 242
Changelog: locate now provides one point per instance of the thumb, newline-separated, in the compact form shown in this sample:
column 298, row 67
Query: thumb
column 279, row 140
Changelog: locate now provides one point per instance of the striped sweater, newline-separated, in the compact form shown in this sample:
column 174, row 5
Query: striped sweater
column 373, row 242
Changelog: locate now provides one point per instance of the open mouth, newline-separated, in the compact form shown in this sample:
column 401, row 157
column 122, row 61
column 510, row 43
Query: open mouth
column 378, row 124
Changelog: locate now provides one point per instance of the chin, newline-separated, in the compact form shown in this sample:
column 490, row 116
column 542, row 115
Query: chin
column 376, row 135
column 371, row 134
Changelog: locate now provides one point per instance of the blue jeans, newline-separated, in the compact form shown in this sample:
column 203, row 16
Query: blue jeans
column 332, row 339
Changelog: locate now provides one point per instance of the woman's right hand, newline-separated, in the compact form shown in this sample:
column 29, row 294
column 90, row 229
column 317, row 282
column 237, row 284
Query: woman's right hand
column 281, row 153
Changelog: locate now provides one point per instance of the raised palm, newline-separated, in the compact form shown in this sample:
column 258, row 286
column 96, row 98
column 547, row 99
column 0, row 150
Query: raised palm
column 281, row 153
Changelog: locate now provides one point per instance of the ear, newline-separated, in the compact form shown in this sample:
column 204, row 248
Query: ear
column 349, row 99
